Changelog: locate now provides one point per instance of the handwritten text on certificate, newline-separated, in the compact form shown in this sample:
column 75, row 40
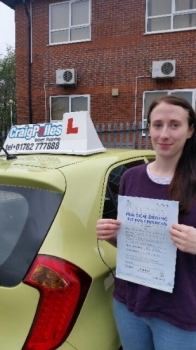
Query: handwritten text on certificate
column 145, row 253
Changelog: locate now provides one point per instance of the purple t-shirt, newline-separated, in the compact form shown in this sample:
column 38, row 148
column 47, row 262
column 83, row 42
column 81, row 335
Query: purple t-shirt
column 179, row 307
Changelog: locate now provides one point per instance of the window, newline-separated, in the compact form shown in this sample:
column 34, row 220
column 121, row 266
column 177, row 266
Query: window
column 149, row 96
column 170, row 15
column 69, row 21
column 26, row 215
column 65, row 104
column 111, row 196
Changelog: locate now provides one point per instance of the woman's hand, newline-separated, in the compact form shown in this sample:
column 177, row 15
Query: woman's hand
column 184, row 238
column 107, row 230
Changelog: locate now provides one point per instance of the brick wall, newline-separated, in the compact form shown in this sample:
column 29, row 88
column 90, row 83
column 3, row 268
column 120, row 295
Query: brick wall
column 117, row 56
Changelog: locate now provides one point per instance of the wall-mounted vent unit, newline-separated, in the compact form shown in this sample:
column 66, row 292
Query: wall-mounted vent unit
column 66, row 77
column 164, row 69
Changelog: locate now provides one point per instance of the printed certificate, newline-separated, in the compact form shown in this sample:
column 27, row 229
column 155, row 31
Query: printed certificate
column 145, row 252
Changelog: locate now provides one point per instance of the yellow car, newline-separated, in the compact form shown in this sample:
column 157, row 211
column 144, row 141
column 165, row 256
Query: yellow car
column 56, row 279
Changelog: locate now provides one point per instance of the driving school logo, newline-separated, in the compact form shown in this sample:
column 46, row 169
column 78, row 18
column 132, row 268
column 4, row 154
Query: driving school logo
column 29, row 132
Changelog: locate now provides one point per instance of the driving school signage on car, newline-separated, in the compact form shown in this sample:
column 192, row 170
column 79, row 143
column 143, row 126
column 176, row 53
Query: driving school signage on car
column 76, row 134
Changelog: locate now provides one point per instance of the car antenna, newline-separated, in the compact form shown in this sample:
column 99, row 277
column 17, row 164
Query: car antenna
column 9, row 156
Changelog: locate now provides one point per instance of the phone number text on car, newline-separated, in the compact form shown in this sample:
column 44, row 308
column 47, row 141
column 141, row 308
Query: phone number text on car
column 33, row 146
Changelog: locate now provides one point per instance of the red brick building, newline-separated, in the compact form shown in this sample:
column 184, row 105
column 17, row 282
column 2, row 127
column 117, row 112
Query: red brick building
column 107, row 48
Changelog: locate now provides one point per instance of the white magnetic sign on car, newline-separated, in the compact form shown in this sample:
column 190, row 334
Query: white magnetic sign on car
column 79, row 134
column 75, row 134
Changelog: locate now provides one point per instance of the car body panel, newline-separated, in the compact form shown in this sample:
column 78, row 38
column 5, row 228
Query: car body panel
column 18, row 307
column 17, row 173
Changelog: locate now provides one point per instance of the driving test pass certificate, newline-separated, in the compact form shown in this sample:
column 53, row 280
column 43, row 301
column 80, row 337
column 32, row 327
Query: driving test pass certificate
column 145, row 252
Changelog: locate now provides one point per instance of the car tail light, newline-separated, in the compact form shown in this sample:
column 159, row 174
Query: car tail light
column 63, row 288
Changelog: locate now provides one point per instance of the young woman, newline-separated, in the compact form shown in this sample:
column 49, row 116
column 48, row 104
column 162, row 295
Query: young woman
column 146, row 318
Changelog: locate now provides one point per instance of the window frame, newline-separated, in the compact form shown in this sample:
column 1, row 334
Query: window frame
column 171, row 15
column 169, row 92
column 88, row 25
column 70, row 97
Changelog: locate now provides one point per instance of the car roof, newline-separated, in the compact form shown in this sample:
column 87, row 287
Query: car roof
column 51, row 161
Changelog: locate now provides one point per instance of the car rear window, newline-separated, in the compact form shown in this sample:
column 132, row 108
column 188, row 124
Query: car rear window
column 26, row 215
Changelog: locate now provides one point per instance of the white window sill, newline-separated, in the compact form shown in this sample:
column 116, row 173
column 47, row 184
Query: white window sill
column 70, row 42
column 169, row 31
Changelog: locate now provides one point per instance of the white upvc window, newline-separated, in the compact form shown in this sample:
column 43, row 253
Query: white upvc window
column 170, row 15
column 69, row 21
column 66, row 104
column 149, row 96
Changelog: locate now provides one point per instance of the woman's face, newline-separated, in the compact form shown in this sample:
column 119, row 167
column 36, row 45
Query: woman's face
column 169, row 130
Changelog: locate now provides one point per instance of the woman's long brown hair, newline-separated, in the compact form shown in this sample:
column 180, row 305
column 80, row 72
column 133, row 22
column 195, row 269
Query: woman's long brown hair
column 183, row 185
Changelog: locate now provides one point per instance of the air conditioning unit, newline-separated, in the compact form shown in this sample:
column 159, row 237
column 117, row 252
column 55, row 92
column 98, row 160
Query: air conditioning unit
column 66, row 77
column 164, row 69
